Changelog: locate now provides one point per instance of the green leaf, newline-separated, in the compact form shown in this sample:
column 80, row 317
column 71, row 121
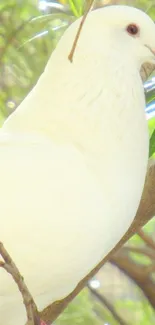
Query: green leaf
column 152, row 144
column 140, row 259
column 77, row 7
column 150, row 226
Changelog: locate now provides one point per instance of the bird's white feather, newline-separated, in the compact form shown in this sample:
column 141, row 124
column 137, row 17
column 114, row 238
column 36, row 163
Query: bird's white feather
column 73, row 160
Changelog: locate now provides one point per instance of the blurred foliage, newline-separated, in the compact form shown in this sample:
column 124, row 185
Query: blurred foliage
column 146, row 5
column 28, row 35
column 27, row 39
column 80, row 311
column 152, row 144
column 77, row 7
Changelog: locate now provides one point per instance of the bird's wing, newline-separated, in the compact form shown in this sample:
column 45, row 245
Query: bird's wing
column 48, row 203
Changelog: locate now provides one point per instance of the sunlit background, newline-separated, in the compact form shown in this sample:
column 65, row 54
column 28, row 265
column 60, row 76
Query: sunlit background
column 123, row 292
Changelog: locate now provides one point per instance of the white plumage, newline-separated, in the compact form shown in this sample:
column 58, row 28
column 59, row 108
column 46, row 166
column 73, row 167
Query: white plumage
column 73, row 158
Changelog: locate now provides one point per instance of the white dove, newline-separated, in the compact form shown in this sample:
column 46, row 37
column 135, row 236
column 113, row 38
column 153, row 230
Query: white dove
column 73, row 158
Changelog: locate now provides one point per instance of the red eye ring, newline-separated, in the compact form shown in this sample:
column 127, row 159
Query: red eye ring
column 132, row 29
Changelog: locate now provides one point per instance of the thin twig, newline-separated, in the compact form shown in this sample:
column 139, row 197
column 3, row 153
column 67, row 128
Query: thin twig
column 10, row 267
column 149, row 269
column 147, row 239
column 108, row 305
column 140, row 250
column 71, row 54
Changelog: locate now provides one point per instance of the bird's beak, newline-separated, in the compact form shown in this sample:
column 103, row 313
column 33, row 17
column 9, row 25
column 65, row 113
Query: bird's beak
column 148, row 67
column 152, row 50
column 146, row 70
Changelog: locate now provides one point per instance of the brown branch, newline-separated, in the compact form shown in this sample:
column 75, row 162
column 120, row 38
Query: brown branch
column 149, row 269
column 89, row 7
column 147, row 239
column 141, row 251
column 137, row 273
column 108, row 305
column 145, row 212
column 10, row 267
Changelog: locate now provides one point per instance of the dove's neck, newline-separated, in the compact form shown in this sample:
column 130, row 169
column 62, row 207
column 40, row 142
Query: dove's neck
column 99, row 111
column 83, row 104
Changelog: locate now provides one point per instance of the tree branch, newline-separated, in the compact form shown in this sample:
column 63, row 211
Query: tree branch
column 141, row 251
column 145, row 212
column 137, row 272
column 149, row 269
column 147, row 239
column 108, row 305
column 10, row 267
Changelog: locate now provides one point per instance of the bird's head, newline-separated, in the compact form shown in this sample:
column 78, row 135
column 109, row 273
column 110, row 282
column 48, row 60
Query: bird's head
column 134, row 33
column 128, row 32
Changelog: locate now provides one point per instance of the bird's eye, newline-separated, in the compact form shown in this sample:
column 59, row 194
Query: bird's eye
column 132, row 29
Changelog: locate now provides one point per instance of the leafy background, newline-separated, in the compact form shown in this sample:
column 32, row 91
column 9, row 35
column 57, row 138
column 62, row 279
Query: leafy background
column 123, row 292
